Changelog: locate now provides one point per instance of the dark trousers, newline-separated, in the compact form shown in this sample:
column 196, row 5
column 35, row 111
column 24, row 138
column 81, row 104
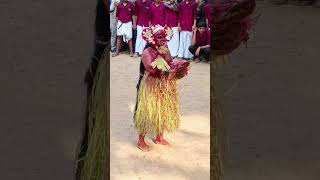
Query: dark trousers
column 134, row 38
column 204, row 52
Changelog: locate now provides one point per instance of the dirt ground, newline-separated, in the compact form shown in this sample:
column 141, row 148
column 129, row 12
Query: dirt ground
column 188, row 157
column 272, row 98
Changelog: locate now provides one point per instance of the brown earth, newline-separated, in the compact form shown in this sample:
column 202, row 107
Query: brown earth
column 188, row 156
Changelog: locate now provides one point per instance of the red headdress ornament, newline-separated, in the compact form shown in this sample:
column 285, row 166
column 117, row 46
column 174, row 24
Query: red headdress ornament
column 152, row 34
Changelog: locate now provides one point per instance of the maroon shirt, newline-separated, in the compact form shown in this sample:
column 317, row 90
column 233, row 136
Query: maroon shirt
column 187, row 14
column 143, row 12
column 157, row 14
column 203, row 39
column 171, row 17
column 125, row 13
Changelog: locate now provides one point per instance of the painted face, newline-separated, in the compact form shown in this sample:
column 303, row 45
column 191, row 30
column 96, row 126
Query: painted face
column 160, row 38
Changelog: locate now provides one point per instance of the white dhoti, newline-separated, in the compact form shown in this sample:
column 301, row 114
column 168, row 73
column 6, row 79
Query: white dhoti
column 140, row 42
column 124, row 30
column 185, row 43
column 173, row 44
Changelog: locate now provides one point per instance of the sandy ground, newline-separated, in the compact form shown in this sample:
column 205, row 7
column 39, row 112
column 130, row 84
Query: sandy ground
column 272, row 113
column 188, row 157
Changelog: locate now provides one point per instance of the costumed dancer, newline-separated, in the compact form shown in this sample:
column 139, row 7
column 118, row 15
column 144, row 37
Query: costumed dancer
column 91, row 157
column 230, row 28
column 157, row 109
column 157, row 13
column 125, row 11
column 187, row 23
column 171, row 20
column 142, row 20
column 200, row 47
column 231, row 24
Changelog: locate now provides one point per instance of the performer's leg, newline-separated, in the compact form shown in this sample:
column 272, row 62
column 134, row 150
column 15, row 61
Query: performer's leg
column 142, row 145
column 160, row 140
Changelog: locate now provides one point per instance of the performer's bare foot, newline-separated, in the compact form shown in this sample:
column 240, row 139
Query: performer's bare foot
column 142, row 145
column 160, row 140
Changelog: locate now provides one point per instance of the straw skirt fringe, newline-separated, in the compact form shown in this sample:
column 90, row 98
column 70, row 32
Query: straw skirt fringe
column 158, row 106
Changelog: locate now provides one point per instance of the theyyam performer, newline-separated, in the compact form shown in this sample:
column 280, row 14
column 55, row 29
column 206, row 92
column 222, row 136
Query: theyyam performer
column 157, row 108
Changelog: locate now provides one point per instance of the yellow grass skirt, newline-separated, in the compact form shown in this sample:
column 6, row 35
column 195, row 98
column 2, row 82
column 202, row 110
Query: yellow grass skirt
column 158, row 106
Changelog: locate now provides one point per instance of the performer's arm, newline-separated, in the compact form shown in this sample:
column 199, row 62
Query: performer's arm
column 148, row 56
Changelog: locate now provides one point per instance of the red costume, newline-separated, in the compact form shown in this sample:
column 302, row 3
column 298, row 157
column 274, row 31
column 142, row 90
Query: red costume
column 157, row 108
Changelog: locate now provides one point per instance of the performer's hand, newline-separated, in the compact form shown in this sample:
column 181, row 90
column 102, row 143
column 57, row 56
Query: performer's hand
column 198, row 51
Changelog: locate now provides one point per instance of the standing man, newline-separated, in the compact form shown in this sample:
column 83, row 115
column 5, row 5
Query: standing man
column 101, row 41
column 187, row 23
column 157, row 13
column 208, row 14
column 141, row 20
column 113, row 24
column 125, row 11
column 171, row 20
column 201, row 13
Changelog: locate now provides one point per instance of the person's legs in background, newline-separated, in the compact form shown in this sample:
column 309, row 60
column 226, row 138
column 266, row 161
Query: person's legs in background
column 193, row 49
column 188, row 40
column 204, row 54
column 113, row 29
column 134, row 38
column 140, row 42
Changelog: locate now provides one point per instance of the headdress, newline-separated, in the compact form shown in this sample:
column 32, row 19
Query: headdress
column 153, row 33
